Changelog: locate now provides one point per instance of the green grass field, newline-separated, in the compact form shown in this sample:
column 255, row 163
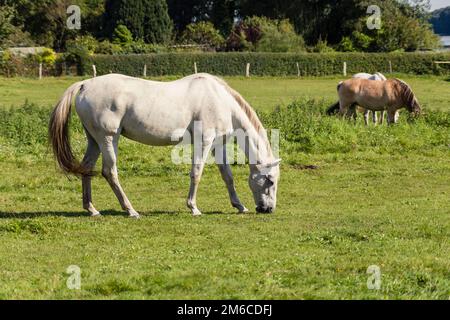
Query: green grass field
column 380, row 196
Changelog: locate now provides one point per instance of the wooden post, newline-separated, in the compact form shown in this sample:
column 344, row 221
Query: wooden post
column 195, row 68
column 145, row 71
column 390, row 66
column 345, row 69
column 247, row 70
column 94, row 69
column 298, row 70
column 40, row 71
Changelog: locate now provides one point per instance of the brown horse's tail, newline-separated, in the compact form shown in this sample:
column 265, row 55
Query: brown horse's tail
column 58, row 130
column 334, row 109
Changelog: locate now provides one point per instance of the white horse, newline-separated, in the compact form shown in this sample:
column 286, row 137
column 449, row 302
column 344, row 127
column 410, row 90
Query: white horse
column 376, row 77
column 150, row 112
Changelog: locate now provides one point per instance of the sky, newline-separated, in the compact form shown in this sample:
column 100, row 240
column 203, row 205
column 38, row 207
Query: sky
column 436, row 4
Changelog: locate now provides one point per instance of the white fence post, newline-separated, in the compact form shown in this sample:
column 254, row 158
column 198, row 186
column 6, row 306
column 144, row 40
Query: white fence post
column 298, row 70
column 345, row 69
column 390, row 66
column 247, row 70
column 94, row 69
column 145, row 71
column 40, row 71
column 195, row 68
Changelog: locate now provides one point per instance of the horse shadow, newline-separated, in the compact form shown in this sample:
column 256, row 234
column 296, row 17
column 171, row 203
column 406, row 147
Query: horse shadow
column 105, row 213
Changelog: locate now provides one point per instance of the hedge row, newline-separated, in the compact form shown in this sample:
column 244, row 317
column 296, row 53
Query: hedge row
column 266, row 64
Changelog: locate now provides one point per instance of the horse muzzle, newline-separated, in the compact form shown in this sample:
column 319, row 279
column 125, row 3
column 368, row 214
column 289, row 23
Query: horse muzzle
column 261, row 209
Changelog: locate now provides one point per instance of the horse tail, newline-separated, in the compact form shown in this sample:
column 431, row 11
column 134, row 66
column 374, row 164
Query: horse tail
column 58, row 130
column 334, row 109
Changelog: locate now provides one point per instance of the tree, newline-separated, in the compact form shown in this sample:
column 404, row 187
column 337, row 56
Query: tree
column 404, row 27
column 158, row 26
column 223, row 14
column 6, row 26
column 441, row 21
column 313, row 19
column 220, row 12
column 184, row 12
column 147, row 20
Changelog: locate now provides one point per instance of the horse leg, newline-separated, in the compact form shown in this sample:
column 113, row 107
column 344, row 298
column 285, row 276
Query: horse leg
column 366, row 116
column 344, row 108
column 382, row 116
column 89, row 161
column 109, row 172
column 227, row 176
column 198, row 164
column 350, row 112
column 354, row 113
column 391, row 116
column 397, row 116
column 374, row 117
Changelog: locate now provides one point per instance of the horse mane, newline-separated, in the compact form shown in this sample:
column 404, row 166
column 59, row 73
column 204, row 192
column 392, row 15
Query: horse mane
column 406, row 93
column 245, row 106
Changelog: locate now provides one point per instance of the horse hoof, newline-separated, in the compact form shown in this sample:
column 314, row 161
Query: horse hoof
column 134, row 215
column 196, row 213
column 95, row 215
column 243, row 210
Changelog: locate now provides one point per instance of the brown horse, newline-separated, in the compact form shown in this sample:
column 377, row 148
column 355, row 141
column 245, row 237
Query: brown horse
column 390, row 96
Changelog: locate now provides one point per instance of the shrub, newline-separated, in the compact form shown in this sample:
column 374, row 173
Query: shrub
column 322, row 47
column 346, row 45
column 47, row 56
column 203, row 33
column 106, row 47
column 122, row 35
column 268, row 64
column 264, row 35
column 280, row 37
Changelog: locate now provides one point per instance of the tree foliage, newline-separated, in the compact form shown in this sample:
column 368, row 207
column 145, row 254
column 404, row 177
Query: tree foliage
column 441, row 21
column 323, row 24
column 203, row 33
column 264, row 35
column 147, row 20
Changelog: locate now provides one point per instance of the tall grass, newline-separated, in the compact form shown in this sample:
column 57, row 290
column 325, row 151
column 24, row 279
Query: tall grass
column 303, row 124
column 305, row 128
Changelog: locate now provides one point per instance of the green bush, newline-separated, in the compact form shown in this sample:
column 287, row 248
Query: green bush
column 203, row 33
column 122, row 35
column 322, row 47
column 280, row 37
column 262, row 34
column 267, row 64
column 12, row 65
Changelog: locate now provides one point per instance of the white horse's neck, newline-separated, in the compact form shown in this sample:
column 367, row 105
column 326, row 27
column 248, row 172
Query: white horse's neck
column 257, row 146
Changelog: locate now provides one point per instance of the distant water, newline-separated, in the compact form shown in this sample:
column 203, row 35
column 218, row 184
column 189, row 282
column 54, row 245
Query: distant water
column 446, row 40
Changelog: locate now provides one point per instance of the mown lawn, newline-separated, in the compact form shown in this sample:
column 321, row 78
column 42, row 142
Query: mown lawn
column 380, row 196
column 262, row 93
